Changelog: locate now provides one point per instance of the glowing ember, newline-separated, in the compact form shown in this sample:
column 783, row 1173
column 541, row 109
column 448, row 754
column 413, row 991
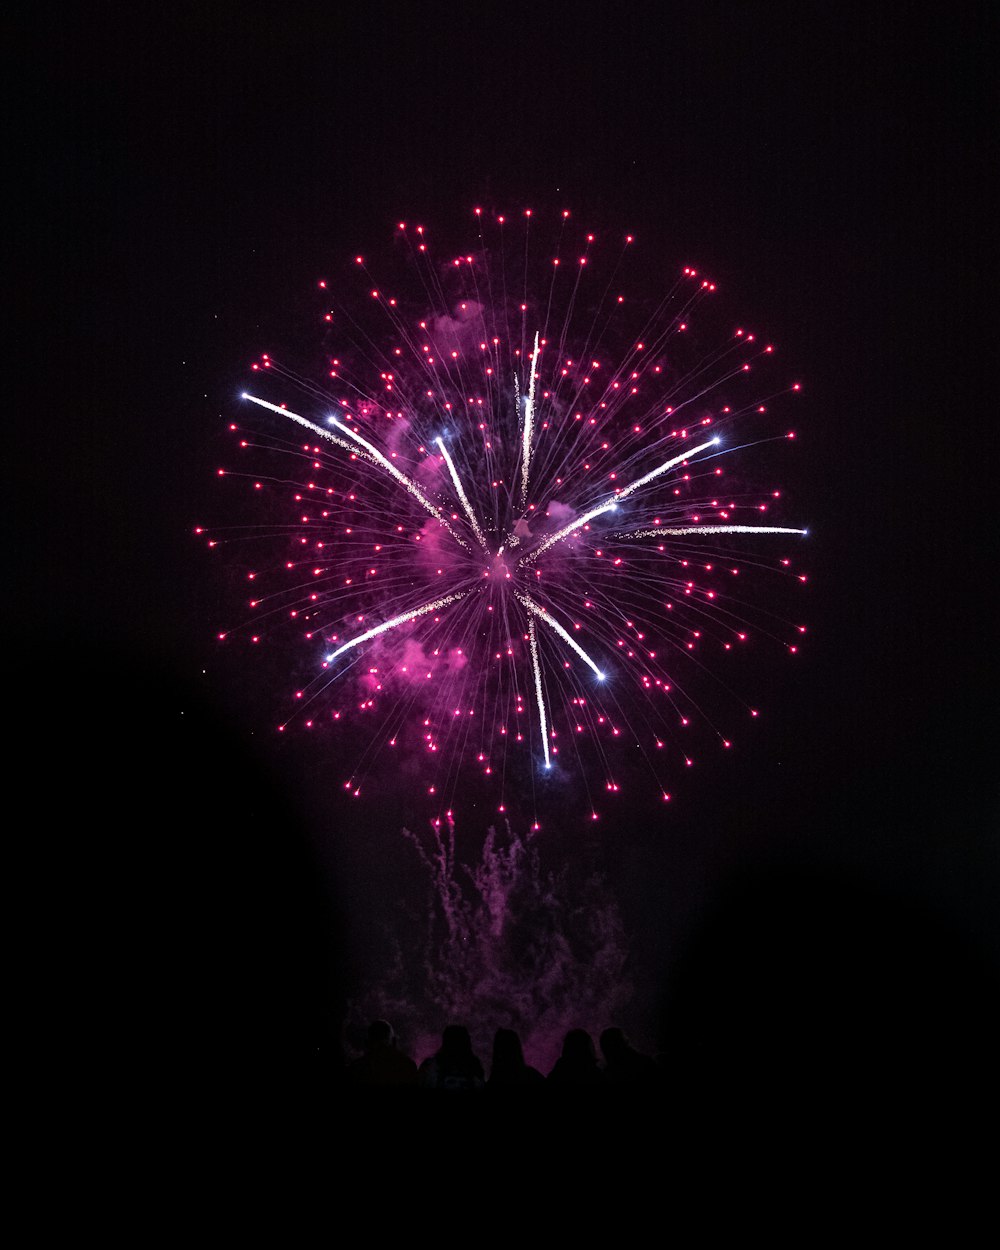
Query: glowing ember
column 509, row 534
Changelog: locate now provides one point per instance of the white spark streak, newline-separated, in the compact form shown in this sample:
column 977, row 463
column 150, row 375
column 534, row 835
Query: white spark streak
column 538, row 691
column 676, row 531
column 613, row 502
column 373, row 454
column 529, row 424
column 397, row 620
column 316, row 429
column 404, row 481
column 553, row 624
column 460, row 489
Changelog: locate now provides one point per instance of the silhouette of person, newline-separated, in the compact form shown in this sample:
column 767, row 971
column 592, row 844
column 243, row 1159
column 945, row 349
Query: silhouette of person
column 578, row 1063
column 382, row 1063
column 455, row 1066
column 508, row 1068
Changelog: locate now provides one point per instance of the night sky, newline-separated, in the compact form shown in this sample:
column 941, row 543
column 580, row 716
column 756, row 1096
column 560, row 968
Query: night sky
column 186, row 176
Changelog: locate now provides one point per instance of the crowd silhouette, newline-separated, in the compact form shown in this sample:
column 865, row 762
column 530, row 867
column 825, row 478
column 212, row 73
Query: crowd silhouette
column 455, row 1067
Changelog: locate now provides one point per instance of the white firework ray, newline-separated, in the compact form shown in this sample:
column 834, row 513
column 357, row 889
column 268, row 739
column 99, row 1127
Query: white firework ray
column 483, row 416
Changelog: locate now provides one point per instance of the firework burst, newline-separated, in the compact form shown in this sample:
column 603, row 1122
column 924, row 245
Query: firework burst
column 503, row 523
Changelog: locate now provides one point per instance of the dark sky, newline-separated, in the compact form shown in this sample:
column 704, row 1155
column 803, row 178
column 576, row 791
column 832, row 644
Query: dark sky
column 186, row 173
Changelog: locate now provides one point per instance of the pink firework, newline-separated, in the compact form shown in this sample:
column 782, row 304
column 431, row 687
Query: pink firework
column 503, row 522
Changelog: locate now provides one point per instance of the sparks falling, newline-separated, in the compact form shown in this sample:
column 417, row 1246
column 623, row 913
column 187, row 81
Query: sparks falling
column 510, row 535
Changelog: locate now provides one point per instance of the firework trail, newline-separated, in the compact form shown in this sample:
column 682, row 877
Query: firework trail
column 484, row 461
column 501, row 942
